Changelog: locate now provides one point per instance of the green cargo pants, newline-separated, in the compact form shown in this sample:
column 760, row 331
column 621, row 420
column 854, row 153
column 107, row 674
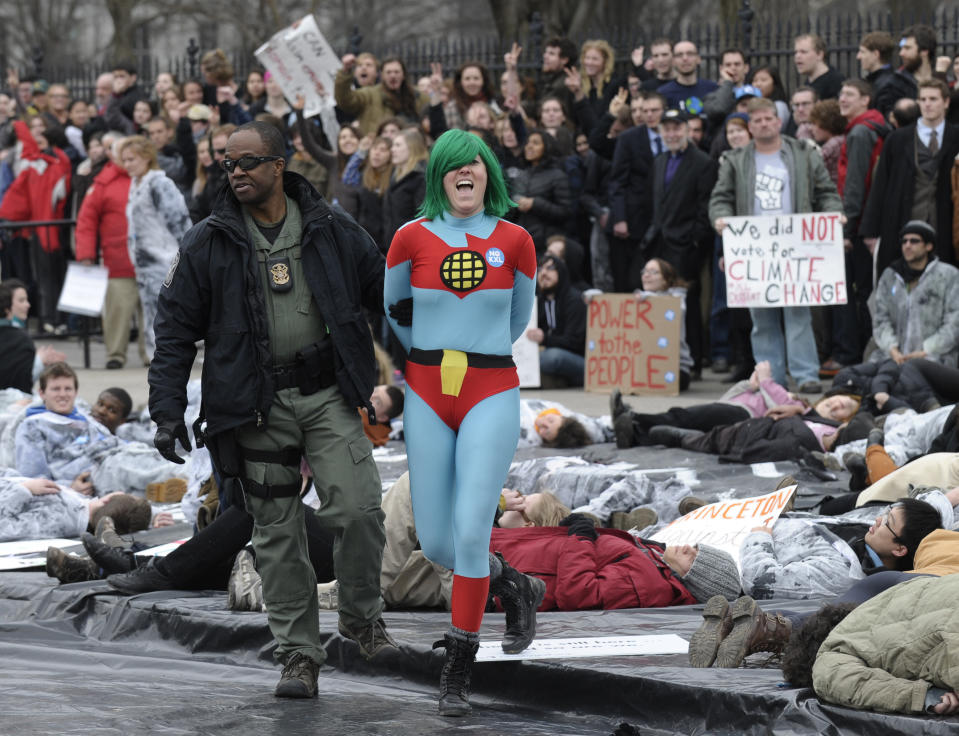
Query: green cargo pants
column 348, row 485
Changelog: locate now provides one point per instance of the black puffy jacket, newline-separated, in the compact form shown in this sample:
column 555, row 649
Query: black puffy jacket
column 213, row 293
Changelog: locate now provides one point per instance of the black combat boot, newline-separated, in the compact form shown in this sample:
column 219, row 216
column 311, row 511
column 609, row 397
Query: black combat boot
column 111, row 559
column 520, row 595
column 461, row 647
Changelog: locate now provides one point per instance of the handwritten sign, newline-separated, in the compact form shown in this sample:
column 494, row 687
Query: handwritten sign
column 298, row 57
column 725, row 524
column 633, row 345
column 784, row 260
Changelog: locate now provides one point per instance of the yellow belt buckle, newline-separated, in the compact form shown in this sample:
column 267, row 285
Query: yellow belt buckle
column 453, row 371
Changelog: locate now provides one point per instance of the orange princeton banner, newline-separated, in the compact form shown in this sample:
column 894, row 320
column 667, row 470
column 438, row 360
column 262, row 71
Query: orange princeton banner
column 633, row 345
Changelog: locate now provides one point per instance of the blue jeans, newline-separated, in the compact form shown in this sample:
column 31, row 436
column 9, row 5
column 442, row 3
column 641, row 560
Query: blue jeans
column 719, row 313
column 562, row 362
column 769, row 343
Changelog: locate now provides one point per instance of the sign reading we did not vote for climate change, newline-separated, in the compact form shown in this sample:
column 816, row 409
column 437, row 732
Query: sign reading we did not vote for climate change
column 784, row 260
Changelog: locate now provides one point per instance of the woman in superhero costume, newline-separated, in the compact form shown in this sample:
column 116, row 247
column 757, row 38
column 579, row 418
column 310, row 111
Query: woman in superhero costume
column 471, row 276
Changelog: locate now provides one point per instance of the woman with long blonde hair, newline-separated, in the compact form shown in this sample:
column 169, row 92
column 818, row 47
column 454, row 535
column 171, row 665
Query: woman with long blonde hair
column 157, row 218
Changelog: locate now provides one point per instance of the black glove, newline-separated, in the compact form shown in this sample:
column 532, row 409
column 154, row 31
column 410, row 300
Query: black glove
column 402, row 312
column 165, row 440
column 581, row 526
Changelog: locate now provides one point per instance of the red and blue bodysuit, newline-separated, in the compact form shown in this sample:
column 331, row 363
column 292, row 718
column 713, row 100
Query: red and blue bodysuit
column 472, row 281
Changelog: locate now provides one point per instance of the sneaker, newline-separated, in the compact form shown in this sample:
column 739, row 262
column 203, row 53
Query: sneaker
column 167, row 491
column 810, row 387
column 70, row 568
column 328, row 595
column 875, row 437
column 144, row 579
column 114, row 365
column 299, row 677
column 245, row 589
column 371, row 637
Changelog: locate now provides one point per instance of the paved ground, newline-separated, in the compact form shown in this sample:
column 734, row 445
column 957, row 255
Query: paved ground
column 133, row 378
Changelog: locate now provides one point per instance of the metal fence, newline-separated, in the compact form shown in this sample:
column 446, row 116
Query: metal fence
column 766, row 43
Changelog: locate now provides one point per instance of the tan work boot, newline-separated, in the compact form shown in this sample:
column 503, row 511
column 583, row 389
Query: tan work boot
column 753, row 631
column 716, row 625
column 167, row 491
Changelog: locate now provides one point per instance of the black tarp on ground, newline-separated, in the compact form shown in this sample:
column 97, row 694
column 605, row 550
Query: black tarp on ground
column 81, row 658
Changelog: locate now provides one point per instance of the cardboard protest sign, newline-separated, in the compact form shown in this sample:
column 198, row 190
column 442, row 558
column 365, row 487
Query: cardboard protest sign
column 526, row 355
column 298, row 57
column 785, row 260
column 725, row 524
column 633, row 345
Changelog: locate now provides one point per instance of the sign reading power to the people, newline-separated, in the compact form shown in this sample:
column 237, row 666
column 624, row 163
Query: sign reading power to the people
column 784, row 260
column 633, row 344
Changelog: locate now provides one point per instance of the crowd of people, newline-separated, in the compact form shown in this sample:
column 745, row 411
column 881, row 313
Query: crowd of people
column 298, row 249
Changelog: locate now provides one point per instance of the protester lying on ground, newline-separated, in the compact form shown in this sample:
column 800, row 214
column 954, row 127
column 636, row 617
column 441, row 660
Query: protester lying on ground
column 797, row 559
column 906, row 436
column 893, row 653
column 730, row 633
column 58, row 441
column 780, row 435
column 388, row 404
column 551, row 424
column 938, row 470
column 39, row 508
column 583, row 567
column 886, row 386
column 754, row 398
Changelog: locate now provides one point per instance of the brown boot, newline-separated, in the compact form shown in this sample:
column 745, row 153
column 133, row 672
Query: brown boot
column 753, row 631
column 716, row 625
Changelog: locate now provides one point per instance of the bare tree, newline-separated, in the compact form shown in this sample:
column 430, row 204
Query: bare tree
column 41, row 28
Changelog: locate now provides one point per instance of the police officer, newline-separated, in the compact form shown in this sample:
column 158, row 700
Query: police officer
column 274, row 281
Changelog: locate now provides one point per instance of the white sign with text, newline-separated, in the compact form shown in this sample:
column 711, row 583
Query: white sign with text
column 785, row 260
column 298, row 57
column 725, row 524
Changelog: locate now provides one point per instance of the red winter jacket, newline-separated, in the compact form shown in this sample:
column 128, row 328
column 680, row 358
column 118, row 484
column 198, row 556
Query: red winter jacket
column 40, row 191
column 615, row 571
column 103, row 217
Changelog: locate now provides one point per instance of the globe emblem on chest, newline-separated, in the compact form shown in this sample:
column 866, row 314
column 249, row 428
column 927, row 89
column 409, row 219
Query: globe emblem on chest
column 462, row 270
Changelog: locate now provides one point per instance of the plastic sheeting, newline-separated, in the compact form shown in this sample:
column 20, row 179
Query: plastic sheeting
column 81, row 658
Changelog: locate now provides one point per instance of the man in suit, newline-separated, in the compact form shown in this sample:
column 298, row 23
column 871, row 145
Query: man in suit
column 630, row 196
column 912, row 180
column 680, row 232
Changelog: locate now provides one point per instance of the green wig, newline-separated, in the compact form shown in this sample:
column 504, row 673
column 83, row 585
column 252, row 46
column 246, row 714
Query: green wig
column 457, row 148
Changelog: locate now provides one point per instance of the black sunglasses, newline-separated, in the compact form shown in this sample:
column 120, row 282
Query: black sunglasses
column 246, row 163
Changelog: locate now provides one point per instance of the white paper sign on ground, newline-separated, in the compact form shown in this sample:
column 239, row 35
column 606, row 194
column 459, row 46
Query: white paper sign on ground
column 526, row 356
column 581, row 648
column 298, row 57
column 725, row 524
column 29, row 553
column 84, row 290
column 784, row 260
